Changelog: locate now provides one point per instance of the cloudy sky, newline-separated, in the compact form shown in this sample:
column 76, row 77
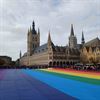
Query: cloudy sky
column 16, row 17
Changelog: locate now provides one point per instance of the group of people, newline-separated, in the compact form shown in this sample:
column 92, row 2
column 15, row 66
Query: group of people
column 86, row 67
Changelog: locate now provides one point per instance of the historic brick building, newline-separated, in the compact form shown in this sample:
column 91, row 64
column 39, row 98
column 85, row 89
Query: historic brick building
column 90, row 52
column 48, row 53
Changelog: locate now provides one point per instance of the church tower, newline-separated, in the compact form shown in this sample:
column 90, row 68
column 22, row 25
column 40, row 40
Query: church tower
column 72, row 39
column 33, row 39
column 83, row 40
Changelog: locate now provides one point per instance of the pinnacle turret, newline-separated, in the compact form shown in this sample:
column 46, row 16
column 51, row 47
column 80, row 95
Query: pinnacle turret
column 72, row 30
column 38, row 31
column 20, row 55
column 49, row 37
column 33, row 25
column 83, row 40
column 33, row 28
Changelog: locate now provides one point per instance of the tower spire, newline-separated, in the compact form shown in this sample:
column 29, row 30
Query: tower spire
column 83, row 40
column 33, row 28
column 20, row 55
column 30, row 29
column 33, row 25
column 50, row 43
column 28, row 32
column 38, row 31
column 49, row 37
column 72, row 30
column 38, row 37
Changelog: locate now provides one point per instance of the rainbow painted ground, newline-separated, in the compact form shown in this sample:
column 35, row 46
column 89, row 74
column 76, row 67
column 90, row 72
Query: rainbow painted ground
column 82, row 76
column 78, row 84
column 49, row 84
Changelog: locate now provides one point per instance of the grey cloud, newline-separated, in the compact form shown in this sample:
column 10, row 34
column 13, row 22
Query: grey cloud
column 16, row 17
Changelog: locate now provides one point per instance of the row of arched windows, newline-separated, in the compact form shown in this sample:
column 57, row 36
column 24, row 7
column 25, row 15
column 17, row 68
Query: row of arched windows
column 62, row 63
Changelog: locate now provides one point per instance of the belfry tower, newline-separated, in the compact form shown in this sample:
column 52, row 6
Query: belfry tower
column 33, row 39
column 72, row 39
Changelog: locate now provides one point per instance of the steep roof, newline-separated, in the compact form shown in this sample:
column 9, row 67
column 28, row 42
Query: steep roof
column 25, row 54
column 98, row 46
column 41, row 48
column 7, row 57
column 79, row 46
column 93, row 48
column 92, row 41
column 73, row 51
column 60, row 48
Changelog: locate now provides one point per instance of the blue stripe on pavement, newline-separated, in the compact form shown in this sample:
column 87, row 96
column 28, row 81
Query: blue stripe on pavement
column 82, row 91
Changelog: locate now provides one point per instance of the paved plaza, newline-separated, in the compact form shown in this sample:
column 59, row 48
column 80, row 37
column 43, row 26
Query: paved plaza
column 16, row 85
column 24, row 84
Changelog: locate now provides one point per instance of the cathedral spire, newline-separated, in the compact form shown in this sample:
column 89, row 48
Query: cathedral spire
column 83, row 40
column 49, row 37
column 72, row 30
